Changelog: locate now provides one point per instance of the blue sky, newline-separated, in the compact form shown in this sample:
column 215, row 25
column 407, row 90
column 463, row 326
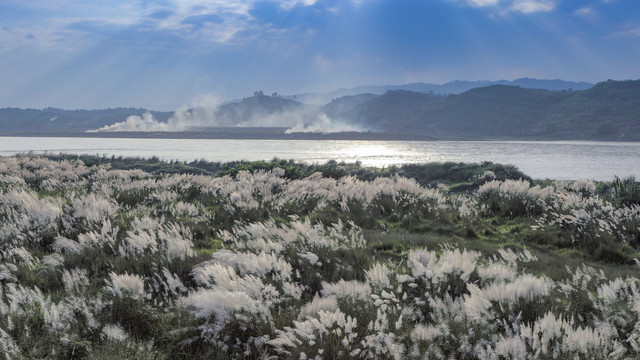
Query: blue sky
column 164, row 54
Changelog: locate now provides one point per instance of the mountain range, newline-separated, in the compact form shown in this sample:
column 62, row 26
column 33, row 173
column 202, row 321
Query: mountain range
column 453, row 87
column 605, row 111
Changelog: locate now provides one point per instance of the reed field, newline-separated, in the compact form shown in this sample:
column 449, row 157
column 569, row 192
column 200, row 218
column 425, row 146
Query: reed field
column 111, row 258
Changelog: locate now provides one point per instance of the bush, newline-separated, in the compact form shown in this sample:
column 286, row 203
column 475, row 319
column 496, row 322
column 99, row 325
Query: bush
column 626, row 192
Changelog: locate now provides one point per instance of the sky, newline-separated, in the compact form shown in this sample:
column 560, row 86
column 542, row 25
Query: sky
column 168, row 54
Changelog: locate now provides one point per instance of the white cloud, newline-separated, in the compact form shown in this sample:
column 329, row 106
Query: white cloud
column 630, row 32
column 53, row 23
column 585, row 11
column 290, row 4
column 189, row 19
column 478, row 3
column 37, row 37
column 532, row 6
column 507, row 6
column 481, row 3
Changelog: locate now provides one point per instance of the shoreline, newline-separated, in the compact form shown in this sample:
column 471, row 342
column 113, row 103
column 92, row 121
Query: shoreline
column 279, row 134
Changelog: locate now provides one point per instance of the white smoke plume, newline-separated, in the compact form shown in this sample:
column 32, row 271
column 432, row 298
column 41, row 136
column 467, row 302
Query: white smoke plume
column 203, row 113
column 146, row 122
column 302, row 120
column 286, row 118
column 200, row 114
column 324, row 124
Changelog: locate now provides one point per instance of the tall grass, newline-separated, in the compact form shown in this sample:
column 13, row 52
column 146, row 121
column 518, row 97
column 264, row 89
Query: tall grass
column 261, row 263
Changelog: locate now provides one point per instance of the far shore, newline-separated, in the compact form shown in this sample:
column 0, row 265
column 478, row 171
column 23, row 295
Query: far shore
column 280, row 134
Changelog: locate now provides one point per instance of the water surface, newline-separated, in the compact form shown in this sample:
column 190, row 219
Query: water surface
column 562, row 160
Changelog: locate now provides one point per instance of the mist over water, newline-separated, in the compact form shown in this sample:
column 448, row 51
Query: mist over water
column 554, row 160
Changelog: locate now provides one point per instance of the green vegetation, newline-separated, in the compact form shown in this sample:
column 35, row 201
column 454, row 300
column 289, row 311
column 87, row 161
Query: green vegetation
column 460, row 176
column 626, row 192
column 274, row 259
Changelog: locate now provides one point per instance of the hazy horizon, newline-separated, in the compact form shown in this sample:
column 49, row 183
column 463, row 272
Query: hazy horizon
column 211, row 101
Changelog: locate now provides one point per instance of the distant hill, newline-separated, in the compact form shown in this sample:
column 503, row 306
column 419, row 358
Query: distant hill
column 15, row 120
column 382, row 113
column 346, row 104
column 453, row 87
column 262, row 110
column 255, row 111
column 606, row 111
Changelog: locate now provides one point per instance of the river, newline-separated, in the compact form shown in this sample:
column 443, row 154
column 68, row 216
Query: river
column 561, row 160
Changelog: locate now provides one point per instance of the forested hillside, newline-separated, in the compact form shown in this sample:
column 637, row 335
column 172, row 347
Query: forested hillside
column 609, row 110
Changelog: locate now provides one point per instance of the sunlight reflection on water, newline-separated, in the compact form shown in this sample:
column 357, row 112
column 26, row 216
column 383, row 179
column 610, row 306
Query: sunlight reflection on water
column 539, row 159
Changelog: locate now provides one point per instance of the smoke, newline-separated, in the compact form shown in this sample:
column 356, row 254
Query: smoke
column 283, row 118
column 200, row 114
column 304, row 119
column 146, row 122
column 324, row 124
column 205, row 112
